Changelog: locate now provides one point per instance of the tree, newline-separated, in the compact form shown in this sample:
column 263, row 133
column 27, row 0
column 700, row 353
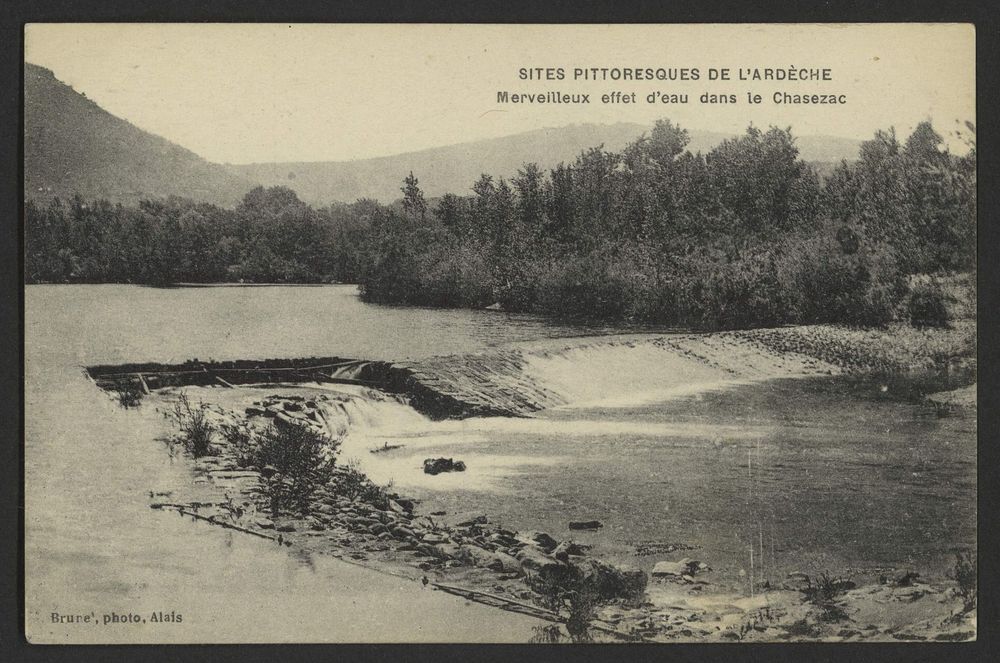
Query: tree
column 413, row 198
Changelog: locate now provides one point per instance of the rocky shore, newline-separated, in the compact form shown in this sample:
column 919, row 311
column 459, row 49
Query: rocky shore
column 582, row 597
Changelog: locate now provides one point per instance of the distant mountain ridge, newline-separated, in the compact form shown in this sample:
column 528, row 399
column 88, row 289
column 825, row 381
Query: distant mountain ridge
column 72, row 145
column 454, row 168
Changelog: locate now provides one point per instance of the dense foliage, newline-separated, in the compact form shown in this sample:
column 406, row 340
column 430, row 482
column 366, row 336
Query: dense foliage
column 745, row 235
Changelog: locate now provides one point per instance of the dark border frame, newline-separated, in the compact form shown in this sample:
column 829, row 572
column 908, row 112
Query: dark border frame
column 17, row 12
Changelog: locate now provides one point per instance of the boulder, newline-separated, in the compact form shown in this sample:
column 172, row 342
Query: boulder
column 400, row 532
column 538, row 539
column 435, row 466
column 567, row 548
column 434, row 537
column 585, row 524
column 611, row 581
column 286, row 527
column 264, row 523
column 684, row 567
column 534, row 561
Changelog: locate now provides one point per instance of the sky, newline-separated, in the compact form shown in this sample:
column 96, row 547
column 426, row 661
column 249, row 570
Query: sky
column 242, row 93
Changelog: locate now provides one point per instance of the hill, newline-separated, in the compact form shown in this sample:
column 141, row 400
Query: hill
column 454, row 168
column 72, row 145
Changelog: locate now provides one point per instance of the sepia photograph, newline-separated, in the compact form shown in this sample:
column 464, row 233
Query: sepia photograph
column 500, row 333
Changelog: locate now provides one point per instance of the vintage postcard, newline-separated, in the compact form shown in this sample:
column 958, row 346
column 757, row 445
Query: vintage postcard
column 500, row 333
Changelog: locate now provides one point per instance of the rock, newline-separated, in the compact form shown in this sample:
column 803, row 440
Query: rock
column 435, row 466
column 397, row 507
column 905, row 578
column 264, row 523
column 268, row 471
column 254, row 412
column 534, row 561
column 434, row 537
column 377, row 529
column 317, row 525
column 567, row 548
column 286, row 527
column 685, row 567
column 538, row 539
column 401, row 532
column 611, row 581
column 585, row 524
column 292, row 406
column 476, row 520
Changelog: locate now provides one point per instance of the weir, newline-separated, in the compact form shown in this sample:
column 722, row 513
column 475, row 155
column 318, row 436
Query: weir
column 511, row 382
column 491, row 384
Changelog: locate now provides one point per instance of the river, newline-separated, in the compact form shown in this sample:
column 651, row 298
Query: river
column 824, row 474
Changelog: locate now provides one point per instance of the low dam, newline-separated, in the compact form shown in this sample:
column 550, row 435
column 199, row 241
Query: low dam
column 510, row 381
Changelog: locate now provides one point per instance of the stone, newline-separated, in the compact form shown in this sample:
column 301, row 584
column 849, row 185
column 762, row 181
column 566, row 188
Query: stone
column 611, row 581
column 434, row 466
column 539, row 539
column 476, row 520
column 585, row 524
column 254, row 411
column 401, row 532
column 567, row 548
column 398, row 508
column 534, row 561
column 286, row 527
column 377, row 529
column 264, row 523
column 433, row 537
column 680, row 568
column 904, row 578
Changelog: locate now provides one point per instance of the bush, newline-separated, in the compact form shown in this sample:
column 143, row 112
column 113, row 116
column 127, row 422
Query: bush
column 295, row 461
column 128, row 392
column 928, row 306
column 965, row 573
column 240, row 437
column 196, row 429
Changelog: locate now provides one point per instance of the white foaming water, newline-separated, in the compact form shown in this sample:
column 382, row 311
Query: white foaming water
column 622, row 375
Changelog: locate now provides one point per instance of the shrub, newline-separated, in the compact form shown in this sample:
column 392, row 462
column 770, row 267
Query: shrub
column 241, row 439
column 196, row 429
column 298, row 461
column 965, row 573
column 128, row 392
column 928, row 306
column 352, row 483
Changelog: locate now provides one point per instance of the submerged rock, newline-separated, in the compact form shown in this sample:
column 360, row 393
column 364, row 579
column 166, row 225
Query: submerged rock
column 585, row 524
column 434, row 466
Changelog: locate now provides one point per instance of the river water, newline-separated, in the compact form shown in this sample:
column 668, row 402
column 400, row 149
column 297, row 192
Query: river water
column 819, row 475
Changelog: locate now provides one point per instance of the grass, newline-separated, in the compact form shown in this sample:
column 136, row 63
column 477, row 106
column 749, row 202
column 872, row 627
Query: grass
column 196, row 430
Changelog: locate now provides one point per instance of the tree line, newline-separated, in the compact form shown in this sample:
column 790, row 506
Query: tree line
column 746, row 234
